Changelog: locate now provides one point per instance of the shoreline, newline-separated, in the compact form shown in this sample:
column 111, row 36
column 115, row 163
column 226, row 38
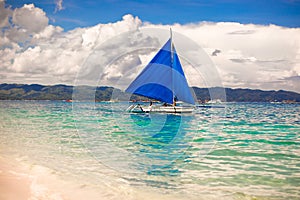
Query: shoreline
column 44, row 156
column 22, row 181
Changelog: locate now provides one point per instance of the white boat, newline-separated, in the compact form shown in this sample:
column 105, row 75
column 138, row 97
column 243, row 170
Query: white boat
column 160, row 108
column 214, row 101
column 163, row 80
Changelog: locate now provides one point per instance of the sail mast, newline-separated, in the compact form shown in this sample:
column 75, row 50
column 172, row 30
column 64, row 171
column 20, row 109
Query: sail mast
column 172, row 60
column 171, row 38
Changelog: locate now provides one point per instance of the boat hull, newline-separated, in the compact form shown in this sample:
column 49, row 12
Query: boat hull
column 160, row 109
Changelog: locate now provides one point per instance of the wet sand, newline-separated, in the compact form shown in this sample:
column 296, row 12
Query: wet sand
column 14, row 184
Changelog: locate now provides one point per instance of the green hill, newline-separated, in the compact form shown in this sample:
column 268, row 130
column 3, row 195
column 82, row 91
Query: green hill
column 104, row 93
column 246, row 95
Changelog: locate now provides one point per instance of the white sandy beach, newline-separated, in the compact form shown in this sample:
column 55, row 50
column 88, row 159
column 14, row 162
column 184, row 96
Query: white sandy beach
column 20, row 181
column 14, row 185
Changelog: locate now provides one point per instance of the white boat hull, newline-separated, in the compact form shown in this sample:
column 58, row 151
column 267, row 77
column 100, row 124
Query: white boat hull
column 160, row 109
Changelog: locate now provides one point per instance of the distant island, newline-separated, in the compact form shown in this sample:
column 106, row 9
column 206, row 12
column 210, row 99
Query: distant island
column 104, row 93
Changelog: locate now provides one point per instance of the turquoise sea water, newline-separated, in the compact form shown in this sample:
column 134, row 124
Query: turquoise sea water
column 241, row 151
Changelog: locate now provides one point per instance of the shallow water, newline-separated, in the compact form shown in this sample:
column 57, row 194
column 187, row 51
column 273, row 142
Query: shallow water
column 241, row 151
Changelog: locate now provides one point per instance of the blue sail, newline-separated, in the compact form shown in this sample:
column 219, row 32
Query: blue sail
column 163, row 78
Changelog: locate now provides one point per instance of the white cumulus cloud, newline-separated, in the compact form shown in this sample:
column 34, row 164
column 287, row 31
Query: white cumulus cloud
column 4, row 14
column 30, row 18
column 250, row 55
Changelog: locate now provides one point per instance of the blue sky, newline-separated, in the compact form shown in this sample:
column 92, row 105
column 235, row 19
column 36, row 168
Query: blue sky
column 36, row 45
column 78, row 13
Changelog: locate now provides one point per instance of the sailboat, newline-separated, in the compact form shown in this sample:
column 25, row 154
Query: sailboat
column 163, row 80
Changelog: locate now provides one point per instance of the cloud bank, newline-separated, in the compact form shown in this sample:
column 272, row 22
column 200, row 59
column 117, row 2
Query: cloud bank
column 246, row 55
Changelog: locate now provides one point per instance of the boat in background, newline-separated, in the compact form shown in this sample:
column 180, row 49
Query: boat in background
column 163, row 80
column 214, row 101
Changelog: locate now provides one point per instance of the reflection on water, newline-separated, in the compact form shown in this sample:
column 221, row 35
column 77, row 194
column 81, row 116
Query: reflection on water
column 162, row 148
column 141, row 119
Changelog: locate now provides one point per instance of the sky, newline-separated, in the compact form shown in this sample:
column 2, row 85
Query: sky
column 252, row 44
column 71, row 14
